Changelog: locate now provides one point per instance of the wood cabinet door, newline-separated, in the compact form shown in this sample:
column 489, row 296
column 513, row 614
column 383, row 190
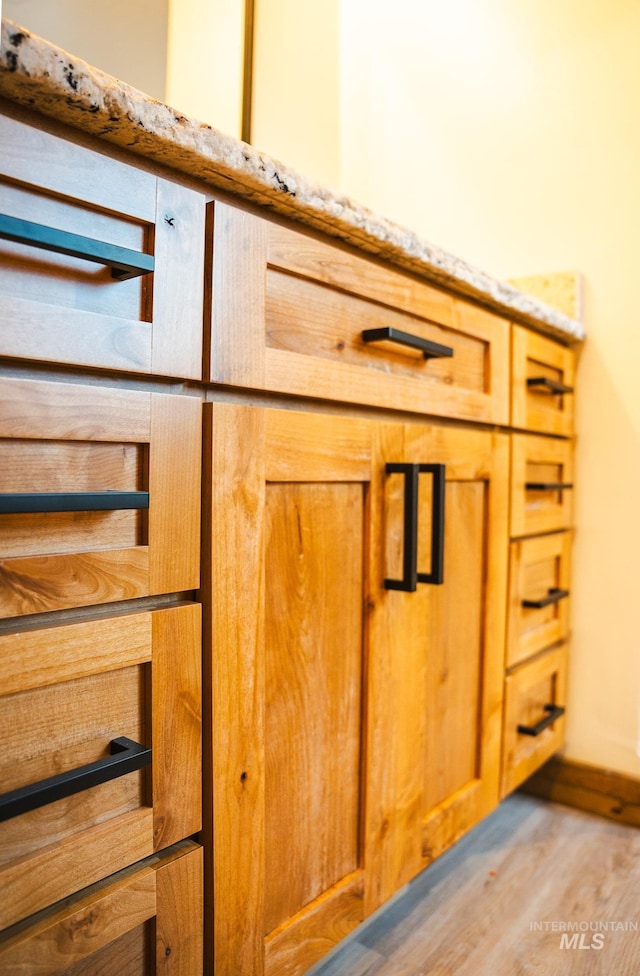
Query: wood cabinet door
column 287, row 528
column 436, row 654
column 353, row 730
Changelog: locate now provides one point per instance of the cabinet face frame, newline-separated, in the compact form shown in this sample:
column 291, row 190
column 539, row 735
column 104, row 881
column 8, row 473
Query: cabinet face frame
column 165, row 426
column 57, row 183
column 247, row 249
column 247, row 447
column 165, row 644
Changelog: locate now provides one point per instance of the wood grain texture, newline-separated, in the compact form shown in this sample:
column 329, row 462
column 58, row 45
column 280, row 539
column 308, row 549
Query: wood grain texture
column 179, row 925
column 436, row 661
column 536, row 566
column 304, row 446
column 601, row 791
column 37, row 658
column 237, row 295
column 234, row 677
column 65, row 938
column 174, row 493
column 73, row 863
column 178, row 281
column 313, row 666
column 539, row 682
column 57, row 165
column 176, row 725
column 540, row 459
column 298, row 945
column 534, row 356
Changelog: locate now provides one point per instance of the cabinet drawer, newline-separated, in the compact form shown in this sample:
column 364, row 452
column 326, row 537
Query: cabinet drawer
column 538, row 594
column 59, row 306
column 541, row 484
column 141, row 921
column 65, row 448
column 68, row 692
column 291, row 314
column 542, row 384
column 534, row 696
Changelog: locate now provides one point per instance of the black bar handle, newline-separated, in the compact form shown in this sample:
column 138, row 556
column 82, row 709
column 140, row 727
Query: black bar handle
column 409, row 579
column 554, row 712
column 553, row 386
column 410, row 575
column 124, row 262
column 126, row 757
column 554, row 596
column 430, row 350
column 71, row 501
column 548, row 486
column 436, row 575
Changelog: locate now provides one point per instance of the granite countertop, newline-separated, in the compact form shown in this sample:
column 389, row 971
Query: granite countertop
column 36, row 74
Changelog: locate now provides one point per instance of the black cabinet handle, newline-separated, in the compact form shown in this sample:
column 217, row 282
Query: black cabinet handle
column 554, row 596
column 124, row 262
column 126, row 756
column 553, row 386
column 554, row 712
column 410, row 575
column 430, row 350
column 548, row 486
column 71, row 501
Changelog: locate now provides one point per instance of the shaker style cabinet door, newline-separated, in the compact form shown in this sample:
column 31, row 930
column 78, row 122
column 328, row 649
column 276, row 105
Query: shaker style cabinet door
column 100, row 261
column 354, row 729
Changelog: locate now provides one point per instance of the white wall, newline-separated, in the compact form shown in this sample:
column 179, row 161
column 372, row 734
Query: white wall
column 125, row 38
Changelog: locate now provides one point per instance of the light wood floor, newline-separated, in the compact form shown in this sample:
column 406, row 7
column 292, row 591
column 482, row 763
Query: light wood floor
column 475, row 911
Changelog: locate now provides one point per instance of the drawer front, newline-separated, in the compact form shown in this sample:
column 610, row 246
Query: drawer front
column 295, row 315
column 534, row 696
column 58, row 305
column 68, row 693
column 141, row 921
column 64, row 448
column 541, row 485
column 538, row 594
column 543, row 376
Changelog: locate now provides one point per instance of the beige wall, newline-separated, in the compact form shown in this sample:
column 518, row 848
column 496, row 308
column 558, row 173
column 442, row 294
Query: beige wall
column 297, row 85
column 125, row 38
column 205, row 61
column 509, row 133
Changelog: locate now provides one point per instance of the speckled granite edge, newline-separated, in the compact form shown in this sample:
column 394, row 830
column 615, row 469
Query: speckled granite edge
column 38, row 75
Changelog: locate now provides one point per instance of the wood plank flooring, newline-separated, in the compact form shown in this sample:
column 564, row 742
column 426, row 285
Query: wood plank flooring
column 496, row 903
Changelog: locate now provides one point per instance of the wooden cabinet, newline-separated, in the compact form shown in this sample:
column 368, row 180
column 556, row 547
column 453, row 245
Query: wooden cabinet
column 336, row 768
column 100, row 260
column 142, row 921
column 542, row 384
column 293, row 314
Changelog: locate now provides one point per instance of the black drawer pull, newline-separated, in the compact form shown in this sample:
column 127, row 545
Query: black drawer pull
column 71, row 501
column 548, row 486
column 124, row 262
column 554, row 596
column 430, row 350
column 126, row 756
column 553, row 386
column 554, row 712
column 410, row 575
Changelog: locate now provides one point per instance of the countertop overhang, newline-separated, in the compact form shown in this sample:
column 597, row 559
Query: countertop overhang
column 36, row 74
